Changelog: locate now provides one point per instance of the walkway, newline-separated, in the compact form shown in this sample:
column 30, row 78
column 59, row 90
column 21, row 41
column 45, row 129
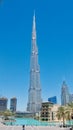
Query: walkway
column 31, row 128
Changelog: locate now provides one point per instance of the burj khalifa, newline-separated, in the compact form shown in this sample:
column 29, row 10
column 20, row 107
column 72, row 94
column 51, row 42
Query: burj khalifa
column 34, row 92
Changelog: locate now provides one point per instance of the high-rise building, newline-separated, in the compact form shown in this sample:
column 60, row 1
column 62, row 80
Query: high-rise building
column 65, row 96
column 34, row 92
column 53, row 99
column 3, row 104
column 13, row 104
column 71, row 98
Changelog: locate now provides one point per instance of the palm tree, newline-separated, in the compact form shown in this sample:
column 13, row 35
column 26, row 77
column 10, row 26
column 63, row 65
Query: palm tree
column 70, row 107
column 61, row 114
column 68, row 114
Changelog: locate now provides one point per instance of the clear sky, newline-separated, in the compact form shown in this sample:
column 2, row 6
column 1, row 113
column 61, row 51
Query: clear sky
column 54, row 23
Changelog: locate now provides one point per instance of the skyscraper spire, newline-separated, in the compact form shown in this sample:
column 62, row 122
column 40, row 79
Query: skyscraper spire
column 34, row 92
column 34, row 28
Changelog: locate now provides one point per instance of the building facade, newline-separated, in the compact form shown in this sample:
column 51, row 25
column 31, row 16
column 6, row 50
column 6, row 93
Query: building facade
column 54, row 110
column 53, row 99
column 49, row 111
column 24, row 114
column 13, row 104
column 34, row 92
column 3, row 104
column 65, row 96
column 71, row 98
column 45, row 111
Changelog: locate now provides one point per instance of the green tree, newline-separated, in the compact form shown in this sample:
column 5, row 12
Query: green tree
column 70, row 106
column 7, row 113
column 70, row 110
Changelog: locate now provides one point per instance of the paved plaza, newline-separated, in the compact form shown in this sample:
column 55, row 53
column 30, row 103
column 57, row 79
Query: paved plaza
column 3, row 127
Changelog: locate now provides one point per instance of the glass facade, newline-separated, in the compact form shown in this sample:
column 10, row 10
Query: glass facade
column 65, row 96
column 71, row 98
column 3, row 104
column 53, row 99
column 13, row 104
column 34, row 92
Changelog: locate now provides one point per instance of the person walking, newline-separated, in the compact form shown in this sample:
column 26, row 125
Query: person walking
column 23, row 127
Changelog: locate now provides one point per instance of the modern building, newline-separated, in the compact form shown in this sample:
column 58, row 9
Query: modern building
column 49, row 111
column 34, row 92
column 65, row 96
column 3, row 104
column 13, row 104
column 24, row 114
column 53, row 99
column 71, row 98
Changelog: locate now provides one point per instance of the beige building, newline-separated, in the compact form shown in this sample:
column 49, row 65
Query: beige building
column 48, row 111
column 54, row 110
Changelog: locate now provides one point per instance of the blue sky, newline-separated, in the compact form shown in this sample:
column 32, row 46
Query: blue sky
column 54, row 23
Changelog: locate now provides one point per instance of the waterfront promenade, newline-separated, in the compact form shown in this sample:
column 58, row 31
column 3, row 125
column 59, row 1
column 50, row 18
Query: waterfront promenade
column 17, row 127
column 4, row 127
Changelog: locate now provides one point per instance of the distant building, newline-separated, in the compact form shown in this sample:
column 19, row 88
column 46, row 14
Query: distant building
column 49, row 111
column 65, row 96
column 13, row 104
column 3, row 104
column 71, row 98
column 53, row 99
column 24, row 114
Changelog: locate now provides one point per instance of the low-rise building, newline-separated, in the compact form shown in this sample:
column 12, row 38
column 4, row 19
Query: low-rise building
column 49, row 111
column 54, row 110
column 24, row 114
column 45, row 111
